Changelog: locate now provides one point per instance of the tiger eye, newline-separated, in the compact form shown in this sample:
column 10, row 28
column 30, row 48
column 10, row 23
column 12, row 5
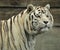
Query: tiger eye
column 38, row 16
column 47, row 16
column 37, row 7
column 38, row 10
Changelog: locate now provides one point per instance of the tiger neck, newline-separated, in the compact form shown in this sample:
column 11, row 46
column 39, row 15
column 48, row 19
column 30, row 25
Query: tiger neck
column 30, row 40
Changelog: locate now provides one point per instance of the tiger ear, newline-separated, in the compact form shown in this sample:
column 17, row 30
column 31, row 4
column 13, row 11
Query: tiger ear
column 48, row 6
column 30, row 7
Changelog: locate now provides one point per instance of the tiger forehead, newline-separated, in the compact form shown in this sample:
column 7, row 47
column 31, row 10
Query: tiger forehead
column 39, row 8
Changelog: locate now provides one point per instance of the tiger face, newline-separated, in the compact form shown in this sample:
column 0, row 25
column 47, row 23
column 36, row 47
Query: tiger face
column 41, row 19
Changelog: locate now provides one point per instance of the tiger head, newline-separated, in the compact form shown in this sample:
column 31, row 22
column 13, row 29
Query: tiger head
column 39, row 19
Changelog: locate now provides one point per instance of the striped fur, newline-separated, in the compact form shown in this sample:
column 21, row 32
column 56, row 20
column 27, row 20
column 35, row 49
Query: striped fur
column 18, row 32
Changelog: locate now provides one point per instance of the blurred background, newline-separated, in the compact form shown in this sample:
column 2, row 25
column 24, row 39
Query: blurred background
column 46, row 41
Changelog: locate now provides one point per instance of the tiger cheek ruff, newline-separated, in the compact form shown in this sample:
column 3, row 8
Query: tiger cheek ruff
column 18, row 32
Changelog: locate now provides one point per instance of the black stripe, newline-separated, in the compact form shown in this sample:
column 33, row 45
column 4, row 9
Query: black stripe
column 11, row 28
column 25, row 45
column 34, row 14
column 1, row 38
column 14, row 18
column 20, row 47
column 29, row 17
column 32, row 17
column 27, row 24
column 2, row 35
column 27, row 36
column 2, row 42
column 12, row 37
column 22, row 13
column 7, row 30
column 18, row 19
column 6, row 26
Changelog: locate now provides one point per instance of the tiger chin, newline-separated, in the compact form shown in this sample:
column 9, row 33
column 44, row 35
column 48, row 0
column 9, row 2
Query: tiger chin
column 18, row 32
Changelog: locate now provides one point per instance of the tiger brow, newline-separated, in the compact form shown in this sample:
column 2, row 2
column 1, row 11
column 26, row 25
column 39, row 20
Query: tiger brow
column 43, row 10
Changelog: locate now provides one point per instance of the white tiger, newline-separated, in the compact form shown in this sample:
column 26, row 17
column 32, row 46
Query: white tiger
column 18, row 32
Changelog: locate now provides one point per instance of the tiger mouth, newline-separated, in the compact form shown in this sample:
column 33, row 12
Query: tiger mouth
column 40, row 28
column 43, row 27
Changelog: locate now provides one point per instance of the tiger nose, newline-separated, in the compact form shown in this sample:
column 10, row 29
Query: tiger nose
column 45, row 22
